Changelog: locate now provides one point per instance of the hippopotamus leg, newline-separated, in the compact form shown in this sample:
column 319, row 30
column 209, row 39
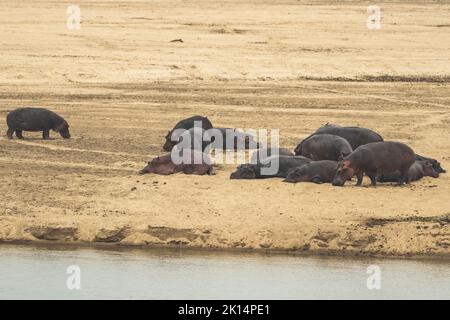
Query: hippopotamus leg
column 46, row 135
column 373, row 178
column 404, row 177
column 9, row 133
column 19, row 134
column 359, row 176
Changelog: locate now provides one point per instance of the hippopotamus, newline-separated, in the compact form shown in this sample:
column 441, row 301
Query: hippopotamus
column 254, row 171
column 262, row 155
column 199, row 163
column 316, row 171
column 193, row 138
column 232, row 139
column 36, row 119
column 375, row 159
column 436, row 165
column 324, row 146
column 186, row 124
column 416, row 172
column 356, row 136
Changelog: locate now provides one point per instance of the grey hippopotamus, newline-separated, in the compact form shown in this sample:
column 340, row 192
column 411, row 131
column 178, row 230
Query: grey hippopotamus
column 316, row 171
column 375, row 159
column 262, row 155
column 416, row 172
column 232, row 139
column 324, row 146
column 186, row 124
column 254, row 171
column 436, row 165
column 356, row 136
column 36, row 119
column 198, row 163
column 193, row 138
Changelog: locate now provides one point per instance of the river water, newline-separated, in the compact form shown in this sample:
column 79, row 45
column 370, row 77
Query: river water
column 36, row 272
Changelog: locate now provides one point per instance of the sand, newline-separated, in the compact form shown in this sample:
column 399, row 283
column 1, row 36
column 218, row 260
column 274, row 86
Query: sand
column 289, row 65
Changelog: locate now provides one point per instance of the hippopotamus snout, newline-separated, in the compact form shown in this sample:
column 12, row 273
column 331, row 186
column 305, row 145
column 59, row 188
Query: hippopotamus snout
column 338, row 183
column 65, row 134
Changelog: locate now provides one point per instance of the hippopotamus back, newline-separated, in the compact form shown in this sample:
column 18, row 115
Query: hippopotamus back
column 356, row 136
column 324, row 146
column 316, row 171
column 186, row 124
column 262, row 155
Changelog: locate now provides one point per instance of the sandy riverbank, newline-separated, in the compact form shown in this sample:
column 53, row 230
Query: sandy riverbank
column 122, row 84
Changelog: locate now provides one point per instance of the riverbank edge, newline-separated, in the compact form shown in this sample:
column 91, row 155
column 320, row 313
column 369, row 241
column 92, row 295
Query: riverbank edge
column 220, row 250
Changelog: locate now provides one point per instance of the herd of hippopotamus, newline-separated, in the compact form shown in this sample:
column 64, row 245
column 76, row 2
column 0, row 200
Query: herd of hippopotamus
column 332, row 154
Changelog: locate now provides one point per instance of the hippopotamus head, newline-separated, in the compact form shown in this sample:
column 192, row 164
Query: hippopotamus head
column 295, row 175
column 245, row 171
column 161, row 165
column 169, row 144
column 437, row 166
column 147, row 169
column 63, row 130
column 428, row 170
column 344, row 173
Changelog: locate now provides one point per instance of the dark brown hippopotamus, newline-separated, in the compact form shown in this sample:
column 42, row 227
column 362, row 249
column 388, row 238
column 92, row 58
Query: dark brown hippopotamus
column 36, row 119
column 281, row 166
column 316, row 171
column 197, row 163
column 374, row 160
column 262, row 155
column 416, row 172
column 185, row 124
column 436, row 164
column 356, row 136
column 324, row 146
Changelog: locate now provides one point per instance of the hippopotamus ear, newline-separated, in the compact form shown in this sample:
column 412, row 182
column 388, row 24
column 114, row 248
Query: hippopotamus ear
column 345, row 164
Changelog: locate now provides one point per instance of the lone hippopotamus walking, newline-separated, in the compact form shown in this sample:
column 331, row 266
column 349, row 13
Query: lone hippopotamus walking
column 416, row 172
column 356, row 136
column 198, row 163
column 317, row 171
column 186, row 124
column 255, row 171
column 36, row 119
column 374, row 160
column 324, row 146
